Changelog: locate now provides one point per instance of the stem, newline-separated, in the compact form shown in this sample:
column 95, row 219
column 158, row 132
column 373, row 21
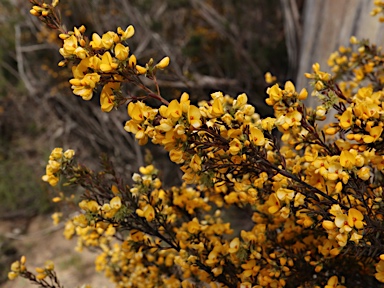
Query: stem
column 298, row 180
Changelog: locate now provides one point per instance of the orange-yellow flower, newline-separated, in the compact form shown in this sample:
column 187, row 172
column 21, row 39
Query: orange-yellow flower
column 234, row 245
column 107, row 96
column 127, row 33
column 273, row 203
column 163, row 63
column 347, row 159
column 147, row 212
column 107, row 64
column 275, row 93
column 194, row 116
column 374, row 134
column 195, row 163
column 355, row 218
column 380, row 271
column 235, row 146
column 346, row 119
column 257, row 136
column 121, row 51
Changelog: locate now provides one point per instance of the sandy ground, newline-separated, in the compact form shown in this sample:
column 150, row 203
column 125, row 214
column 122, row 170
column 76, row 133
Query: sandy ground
column 43, row 241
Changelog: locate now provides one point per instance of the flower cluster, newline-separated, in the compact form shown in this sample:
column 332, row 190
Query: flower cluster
column 311, row 194
column 44, row 277
column 379, row 9
column 57, row 161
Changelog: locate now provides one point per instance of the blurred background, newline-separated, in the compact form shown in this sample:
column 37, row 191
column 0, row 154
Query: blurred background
column 225, row 45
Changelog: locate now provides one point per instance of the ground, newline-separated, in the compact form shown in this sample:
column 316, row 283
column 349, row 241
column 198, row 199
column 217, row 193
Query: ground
column 39, row 240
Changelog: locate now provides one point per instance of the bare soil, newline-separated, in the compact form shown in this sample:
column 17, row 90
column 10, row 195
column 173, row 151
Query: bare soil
column 39, row 240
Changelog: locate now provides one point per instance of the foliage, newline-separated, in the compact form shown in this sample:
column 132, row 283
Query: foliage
column 314, row 195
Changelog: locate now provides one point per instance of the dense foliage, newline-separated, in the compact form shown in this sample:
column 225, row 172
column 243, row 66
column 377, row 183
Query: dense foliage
column 309, row 183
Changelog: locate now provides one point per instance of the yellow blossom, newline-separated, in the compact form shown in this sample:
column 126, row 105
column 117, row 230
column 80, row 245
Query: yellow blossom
column 269, row 78
column 257, row 136
column 107, row 63
column 147, row 212
column 355, row 218
column 273, row 203
column 115, row 203
column 194, row 116
column 163, row 63
column 195, row 163
column 141, row 69
column 127, row 33
column 121, row 51
column 347, row 159
column 235, row 146
column 380, row 271
column 275, row 93
column 234, row 245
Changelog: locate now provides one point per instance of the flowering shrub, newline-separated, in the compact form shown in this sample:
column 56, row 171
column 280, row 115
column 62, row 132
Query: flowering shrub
column 310, row 184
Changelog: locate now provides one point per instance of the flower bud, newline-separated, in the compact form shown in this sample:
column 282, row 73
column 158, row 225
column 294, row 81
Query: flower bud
column 163, row 63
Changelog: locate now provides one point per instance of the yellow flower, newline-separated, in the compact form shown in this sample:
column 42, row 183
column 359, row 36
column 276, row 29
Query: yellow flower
column 163, row 63
column 80, row 220
column 355, row 218
column 107, row 96
column 176, row 156
column 108, row 39
column 147, row 212
column 107, row 64
column 347, row 159
column 240, row 101
column 121, row 51
column 375, row 134
column 235, row 146
column 81, row 53
column 328, row 225
column 194, row 116
column 193, row 226
column 96, row 42
column 364, row 173
column 333, row 282
column 234, row 245
column 115, row 202
column 57, row 153
column 132, row 61
column 174, row 110
column 217, row 107
column 269, row 78
column 273, row 203
column 341, row 221
column 285, row 194
column 303, row 94
column 140, row 69
column 195, row 163
column 69, row 154
column 127, row 33
column 268, row 123
column 136, row 111
column 12, row 275
column 299, row 200
column 355, row 237
column 257, row 136
column 275, row 93
column 289, row 87
column 380, row 271
column 346, row 119
column 69, row 46
column 56, row 217
column 85, row 86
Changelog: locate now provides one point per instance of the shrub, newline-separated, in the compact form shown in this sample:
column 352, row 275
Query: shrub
column 310, row 184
